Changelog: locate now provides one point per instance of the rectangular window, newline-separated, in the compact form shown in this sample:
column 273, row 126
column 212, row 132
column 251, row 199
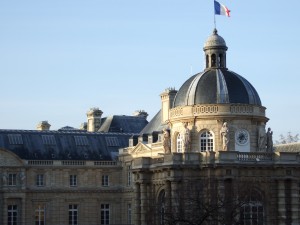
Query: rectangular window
column 73, row 214
column 105, row 180
column 73, row 180
column 40, row 180
column 12, row 215
column 129, row 214
column 129, row 176
column 12, row 179
column 40, row 215
column 104, row 214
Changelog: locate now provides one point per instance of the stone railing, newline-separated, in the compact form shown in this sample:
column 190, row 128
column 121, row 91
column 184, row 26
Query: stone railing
column 255, row 156
column 213, row 109
column 221, row 157
column 53, row 163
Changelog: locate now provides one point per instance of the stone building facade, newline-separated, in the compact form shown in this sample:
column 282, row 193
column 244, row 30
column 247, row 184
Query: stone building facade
column 214, row 162
column 205, row 158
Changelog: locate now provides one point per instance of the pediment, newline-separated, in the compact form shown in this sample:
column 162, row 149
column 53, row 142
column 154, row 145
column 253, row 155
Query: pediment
column 140, row 148
column 8, row 158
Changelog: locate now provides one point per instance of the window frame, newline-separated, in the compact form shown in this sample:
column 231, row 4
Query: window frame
column 12, row 214
column 129, row 213
column 129, row 176
column 12, row 179
column 206, row 141
column 40, row 180
column 39, row 215
column 105, row 214
column 73, row 214
column 105, row 180
column 73, row 180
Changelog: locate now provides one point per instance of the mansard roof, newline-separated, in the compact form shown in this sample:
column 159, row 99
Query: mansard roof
column 154, row 125
column 125, row 124
column 63, row 145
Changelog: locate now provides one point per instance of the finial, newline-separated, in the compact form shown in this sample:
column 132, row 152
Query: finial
column 215, row 32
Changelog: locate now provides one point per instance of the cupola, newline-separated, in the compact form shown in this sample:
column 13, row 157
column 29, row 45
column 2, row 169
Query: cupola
column 215, row 51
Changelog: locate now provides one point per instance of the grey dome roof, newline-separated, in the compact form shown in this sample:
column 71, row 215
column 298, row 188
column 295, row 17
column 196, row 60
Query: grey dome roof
column 215, row 41
column 216, row 86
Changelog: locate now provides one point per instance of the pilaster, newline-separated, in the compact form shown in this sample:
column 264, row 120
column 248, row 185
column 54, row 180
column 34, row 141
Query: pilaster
column 138, row 204
column 281, row 202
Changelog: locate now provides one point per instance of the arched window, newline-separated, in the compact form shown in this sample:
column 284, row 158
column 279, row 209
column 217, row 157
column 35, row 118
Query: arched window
column 252, row 212
column 206, row 141
column 207, row 61
column 221, row 64
column 161, row 202
column 179, row 143
column 213, row 60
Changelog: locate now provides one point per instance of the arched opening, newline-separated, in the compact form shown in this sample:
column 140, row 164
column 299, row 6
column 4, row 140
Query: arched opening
column 162, row 207
column 206, row 141
column 207, row 61
column 179, row 143
column 220, row 61
column 213, row 60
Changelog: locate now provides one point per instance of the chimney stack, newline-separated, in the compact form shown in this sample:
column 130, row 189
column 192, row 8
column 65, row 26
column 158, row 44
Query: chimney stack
column 43, row 125
column 167, row 98
column 94, row 119
column 140, row 113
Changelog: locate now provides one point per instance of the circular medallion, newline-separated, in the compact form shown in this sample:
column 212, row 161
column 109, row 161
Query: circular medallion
column 242, row 137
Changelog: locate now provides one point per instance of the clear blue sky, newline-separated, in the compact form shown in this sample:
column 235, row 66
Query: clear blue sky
column 58, row 58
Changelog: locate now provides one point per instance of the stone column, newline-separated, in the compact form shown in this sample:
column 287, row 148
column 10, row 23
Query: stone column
column 168, row 202
column 143, row 204
column 281, row 202
column 295, row 202
column 137, row 204
column 174, row 196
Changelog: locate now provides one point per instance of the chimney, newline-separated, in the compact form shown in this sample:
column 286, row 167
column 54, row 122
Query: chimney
column 43, row 125
column 94, row 119
column 167, row 98
column 83, row 126
column 140, row 113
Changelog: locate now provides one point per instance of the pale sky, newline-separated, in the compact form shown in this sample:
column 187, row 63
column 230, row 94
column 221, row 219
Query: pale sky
column 59, row 58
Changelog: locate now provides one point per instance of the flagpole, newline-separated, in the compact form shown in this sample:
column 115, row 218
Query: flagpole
column 215, row 16
column 215, row 20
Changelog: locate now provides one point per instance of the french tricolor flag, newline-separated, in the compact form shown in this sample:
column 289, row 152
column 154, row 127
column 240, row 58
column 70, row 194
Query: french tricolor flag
column 221, row 9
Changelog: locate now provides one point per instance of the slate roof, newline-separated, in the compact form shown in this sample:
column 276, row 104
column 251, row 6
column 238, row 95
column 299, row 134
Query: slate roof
column 154, row 125
column 216, row 86
column 126, row 124
column 63, row 145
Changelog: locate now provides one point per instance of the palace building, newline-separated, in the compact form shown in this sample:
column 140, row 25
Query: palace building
column 206, row 157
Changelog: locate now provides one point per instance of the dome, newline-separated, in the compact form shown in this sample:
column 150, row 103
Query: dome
column 216, row 86
column 214, row 41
